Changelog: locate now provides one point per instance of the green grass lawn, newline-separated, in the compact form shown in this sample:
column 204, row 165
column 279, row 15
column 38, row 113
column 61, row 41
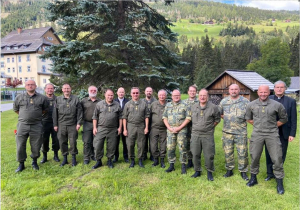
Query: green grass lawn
column 6, row 102
column 80, row 187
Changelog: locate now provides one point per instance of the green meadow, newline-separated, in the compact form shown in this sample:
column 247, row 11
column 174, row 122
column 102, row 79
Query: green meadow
column 80, row 187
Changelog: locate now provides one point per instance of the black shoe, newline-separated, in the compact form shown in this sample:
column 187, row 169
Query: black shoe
column 155, row 163
column 183, row 168
column 65, row 161
column 110, row 164
column 210, row 176
column 21, row 167
column 93, row 158
column 86, row 162
column 74, row 162
column 151, row 158
column 44, row 160
column 280, row 189
column 196, row 174
column 244, row 176
column 171, row 168
column 115, row 160
column 126, row 160
column 190, row 164
column 35, row 165
column 145, row 157
column 132, row 163
column 253, row 181
column 269, row 177
column 229, row 173
column 141, row 163
column 162, row 163
column 55, row 158
column 98, row 164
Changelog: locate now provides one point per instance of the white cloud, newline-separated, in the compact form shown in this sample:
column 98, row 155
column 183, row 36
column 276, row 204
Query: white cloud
column 271, row 5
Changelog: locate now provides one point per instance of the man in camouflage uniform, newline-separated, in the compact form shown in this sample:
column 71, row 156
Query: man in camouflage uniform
column 108, row 116
column 48, row 126
column 266, row 115
column 30, row 107
column 176, row 116
column 205, row 116
column 189, row 102
column 233, row 110
column 88, row 106
column 135, row 123
column 158, row 132
column 67, row 116
column 149, row 99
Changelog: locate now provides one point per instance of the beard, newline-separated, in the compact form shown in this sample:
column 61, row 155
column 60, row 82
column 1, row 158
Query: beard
column 92, row 94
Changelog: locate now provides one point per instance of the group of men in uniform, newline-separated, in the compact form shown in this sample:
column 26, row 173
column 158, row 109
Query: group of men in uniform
column 156, row 125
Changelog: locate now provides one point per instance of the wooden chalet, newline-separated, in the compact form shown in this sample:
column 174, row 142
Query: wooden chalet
column 248, row 81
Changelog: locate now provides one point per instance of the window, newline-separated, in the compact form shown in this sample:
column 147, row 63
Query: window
column 28, row 69
column 8, row 70
column 16, row 47
column 2, row 56
column 28, row 57
column 12, row 59
column 8, row 60
column 32, row 78
column 26, row 78
column 19, row 58
column 8, row 48
column 44, row 81
column 49, row 37
column 21, row 78
column 43, row 68
column 2, row 64
column 13, row 69
column 20, row 69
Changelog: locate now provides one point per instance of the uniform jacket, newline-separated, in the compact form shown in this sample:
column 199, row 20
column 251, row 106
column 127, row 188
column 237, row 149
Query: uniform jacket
column 289, row 128
column 124, row 102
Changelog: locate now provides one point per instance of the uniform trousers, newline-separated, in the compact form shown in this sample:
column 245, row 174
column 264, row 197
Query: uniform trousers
column 65, row 133
column 48, row 131
column 87, row 138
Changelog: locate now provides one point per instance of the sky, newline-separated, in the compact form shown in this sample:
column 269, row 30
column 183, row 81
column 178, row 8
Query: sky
column 266, row 4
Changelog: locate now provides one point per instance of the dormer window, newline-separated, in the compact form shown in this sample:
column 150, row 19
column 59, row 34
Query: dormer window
column 49, row 38
column 7, row 48
column 16, row 47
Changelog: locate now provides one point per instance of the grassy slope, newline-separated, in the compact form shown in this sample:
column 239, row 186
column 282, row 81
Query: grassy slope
column 53, row 187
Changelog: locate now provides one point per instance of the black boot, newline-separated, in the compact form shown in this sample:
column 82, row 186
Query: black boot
column 55, row 158
column 155, row 162
column 74, row 162
column 196, row 174
column 269, row 177
column 132, row 163
column 86, row 162
column 34, row 164
column 190, row 164
column 126, row 160
column 109, row 163
column 141, row 163
column 65, row 160
column 93, row 158
column 98, row 164
column 162, row 163
column 253, row 181
column 229, row 173
column 171, row 168
column 210, row 176
column 183, row 168
column 115, row 159
column 280, row 189
column 244, row 176
column 151, row 157
column 21, row 167
column 44, row 160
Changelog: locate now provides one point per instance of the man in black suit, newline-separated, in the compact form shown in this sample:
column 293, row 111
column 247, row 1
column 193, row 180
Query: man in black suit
column 287, row 131
column 122, row 101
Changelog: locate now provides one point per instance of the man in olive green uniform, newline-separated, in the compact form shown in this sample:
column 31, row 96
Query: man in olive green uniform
column 48, row 126
column 67, row 116
column 135, row 122
column 189, row 102
column 205, row 116
column 149, row 99
column 88, row 106
column 30, row 107
column 107, row 123
column 266, row 116
column 158, row 133
column 176, row 116
column 233, row 110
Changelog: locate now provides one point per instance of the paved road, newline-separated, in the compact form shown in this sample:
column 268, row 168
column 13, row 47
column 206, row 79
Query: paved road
column 5, row 107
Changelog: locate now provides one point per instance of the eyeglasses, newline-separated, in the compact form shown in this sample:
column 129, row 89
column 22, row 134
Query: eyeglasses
column 135, row 93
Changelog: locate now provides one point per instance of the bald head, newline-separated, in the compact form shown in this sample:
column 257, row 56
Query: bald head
column 234, row 91
column 263, row 92
column 30, row 86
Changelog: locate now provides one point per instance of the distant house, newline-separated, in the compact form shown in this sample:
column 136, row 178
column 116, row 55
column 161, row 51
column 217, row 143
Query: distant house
column 20, row 52
column 248, row 81
column 288, row 21
column 294, row 86
column 209, row 22
column 273, row 20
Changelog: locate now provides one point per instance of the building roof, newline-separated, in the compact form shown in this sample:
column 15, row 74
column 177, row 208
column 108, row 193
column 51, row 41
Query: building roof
column 295, row 83
column 250, row 79
column 29, row 40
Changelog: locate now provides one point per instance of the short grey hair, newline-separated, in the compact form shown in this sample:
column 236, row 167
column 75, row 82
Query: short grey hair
column 49, row 84
column 162, row 90
column 280, row 82
column 94, row 87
